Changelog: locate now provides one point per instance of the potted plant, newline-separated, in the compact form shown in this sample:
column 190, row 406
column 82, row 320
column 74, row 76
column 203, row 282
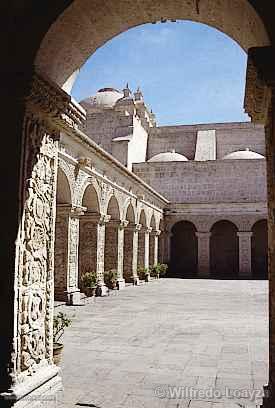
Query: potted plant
column 162, row 269
column 110, row 278
column 88, row 283
column 60, row 321
column 143, row 273
column 158, row 270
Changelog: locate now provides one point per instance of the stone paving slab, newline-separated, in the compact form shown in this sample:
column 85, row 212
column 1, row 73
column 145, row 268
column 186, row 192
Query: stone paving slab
column 133, row 348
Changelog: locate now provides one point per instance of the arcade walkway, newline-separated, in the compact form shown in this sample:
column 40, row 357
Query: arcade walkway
column 125, row 350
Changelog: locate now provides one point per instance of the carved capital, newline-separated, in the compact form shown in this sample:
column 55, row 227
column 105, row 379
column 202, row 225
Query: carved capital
column 260, row 82
column 50, row 102
column 156, row 233
column 123, row 224
column 84, row 162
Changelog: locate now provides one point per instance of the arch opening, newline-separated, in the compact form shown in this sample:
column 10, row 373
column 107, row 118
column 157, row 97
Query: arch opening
column 88, row 234
column 259, row 250
column 183, row 250
column 224, row 250
column 82, row 29
column 128, row 244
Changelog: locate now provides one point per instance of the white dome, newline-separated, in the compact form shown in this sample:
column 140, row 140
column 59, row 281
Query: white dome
column 243, row 154
column 104, row 98
column 168, row 157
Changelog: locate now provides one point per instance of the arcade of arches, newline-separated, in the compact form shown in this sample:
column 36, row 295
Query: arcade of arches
column 38, row 114
column 223, row 252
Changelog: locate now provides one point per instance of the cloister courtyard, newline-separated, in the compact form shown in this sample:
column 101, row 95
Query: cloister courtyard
column 155, row 344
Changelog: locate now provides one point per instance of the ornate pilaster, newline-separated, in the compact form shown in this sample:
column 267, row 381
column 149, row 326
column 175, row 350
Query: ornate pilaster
column 260, row 105
column 48, row 111
column 203, row 254
column 245, row 254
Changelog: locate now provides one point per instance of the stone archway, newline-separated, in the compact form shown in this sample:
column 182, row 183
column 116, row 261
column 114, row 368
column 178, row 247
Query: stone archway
column 224, row 250
column 63, row 209
column 184, row 250
column 88, row 235
column 116, row 17
column 259, row 248
column 111, row 235
column 83, row 28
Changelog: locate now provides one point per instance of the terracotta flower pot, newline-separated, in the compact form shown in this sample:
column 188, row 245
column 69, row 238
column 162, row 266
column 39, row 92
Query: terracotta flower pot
column 57, row 353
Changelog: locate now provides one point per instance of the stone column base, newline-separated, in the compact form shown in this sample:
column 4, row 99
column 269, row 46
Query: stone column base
column 120, row 283
column 38, row 392
column 74, row 298
column 136, row 280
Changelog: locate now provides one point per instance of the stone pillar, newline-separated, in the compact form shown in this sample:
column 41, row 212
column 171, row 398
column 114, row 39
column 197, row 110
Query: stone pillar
column 146, row 247
column 102, row 288
column 137, row 228
column 156, row 251
column 120, row 253
column 245, row 254
column 154, row 246
column 203, row 254
column 26, row 332
column 260, row 105
column 61, row 252
column 66, row 253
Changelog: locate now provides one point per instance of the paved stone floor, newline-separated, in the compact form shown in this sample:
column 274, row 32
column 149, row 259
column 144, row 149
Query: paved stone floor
column 153, row 345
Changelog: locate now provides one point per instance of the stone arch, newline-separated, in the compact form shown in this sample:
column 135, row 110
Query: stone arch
column 142, row 218
column 184, row 250
column 259, row 250
column 64, row 203
column 90, row 198
column 113, row 208
column 130, row 206
column 82, row 28
column 224, row 250
column 64, row 189
column 111, row 234
column 88, row 236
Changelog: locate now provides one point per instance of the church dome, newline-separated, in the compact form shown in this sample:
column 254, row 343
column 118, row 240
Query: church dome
column 243, row 154
column 104, row 98
column 168, row 157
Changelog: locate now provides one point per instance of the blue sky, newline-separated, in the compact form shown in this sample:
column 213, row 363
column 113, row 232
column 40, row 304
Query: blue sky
column 188, row 72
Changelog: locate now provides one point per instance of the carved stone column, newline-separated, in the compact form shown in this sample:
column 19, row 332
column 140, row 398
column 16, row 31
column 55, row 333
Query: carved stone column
column 103, row 291
column 137, row 228
column 147, row 246
column 245, row 254
column 154, row 246
column 203, row 254
column 73, row 261
column 30, row 369
column 260, row 105
column 120, row 253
